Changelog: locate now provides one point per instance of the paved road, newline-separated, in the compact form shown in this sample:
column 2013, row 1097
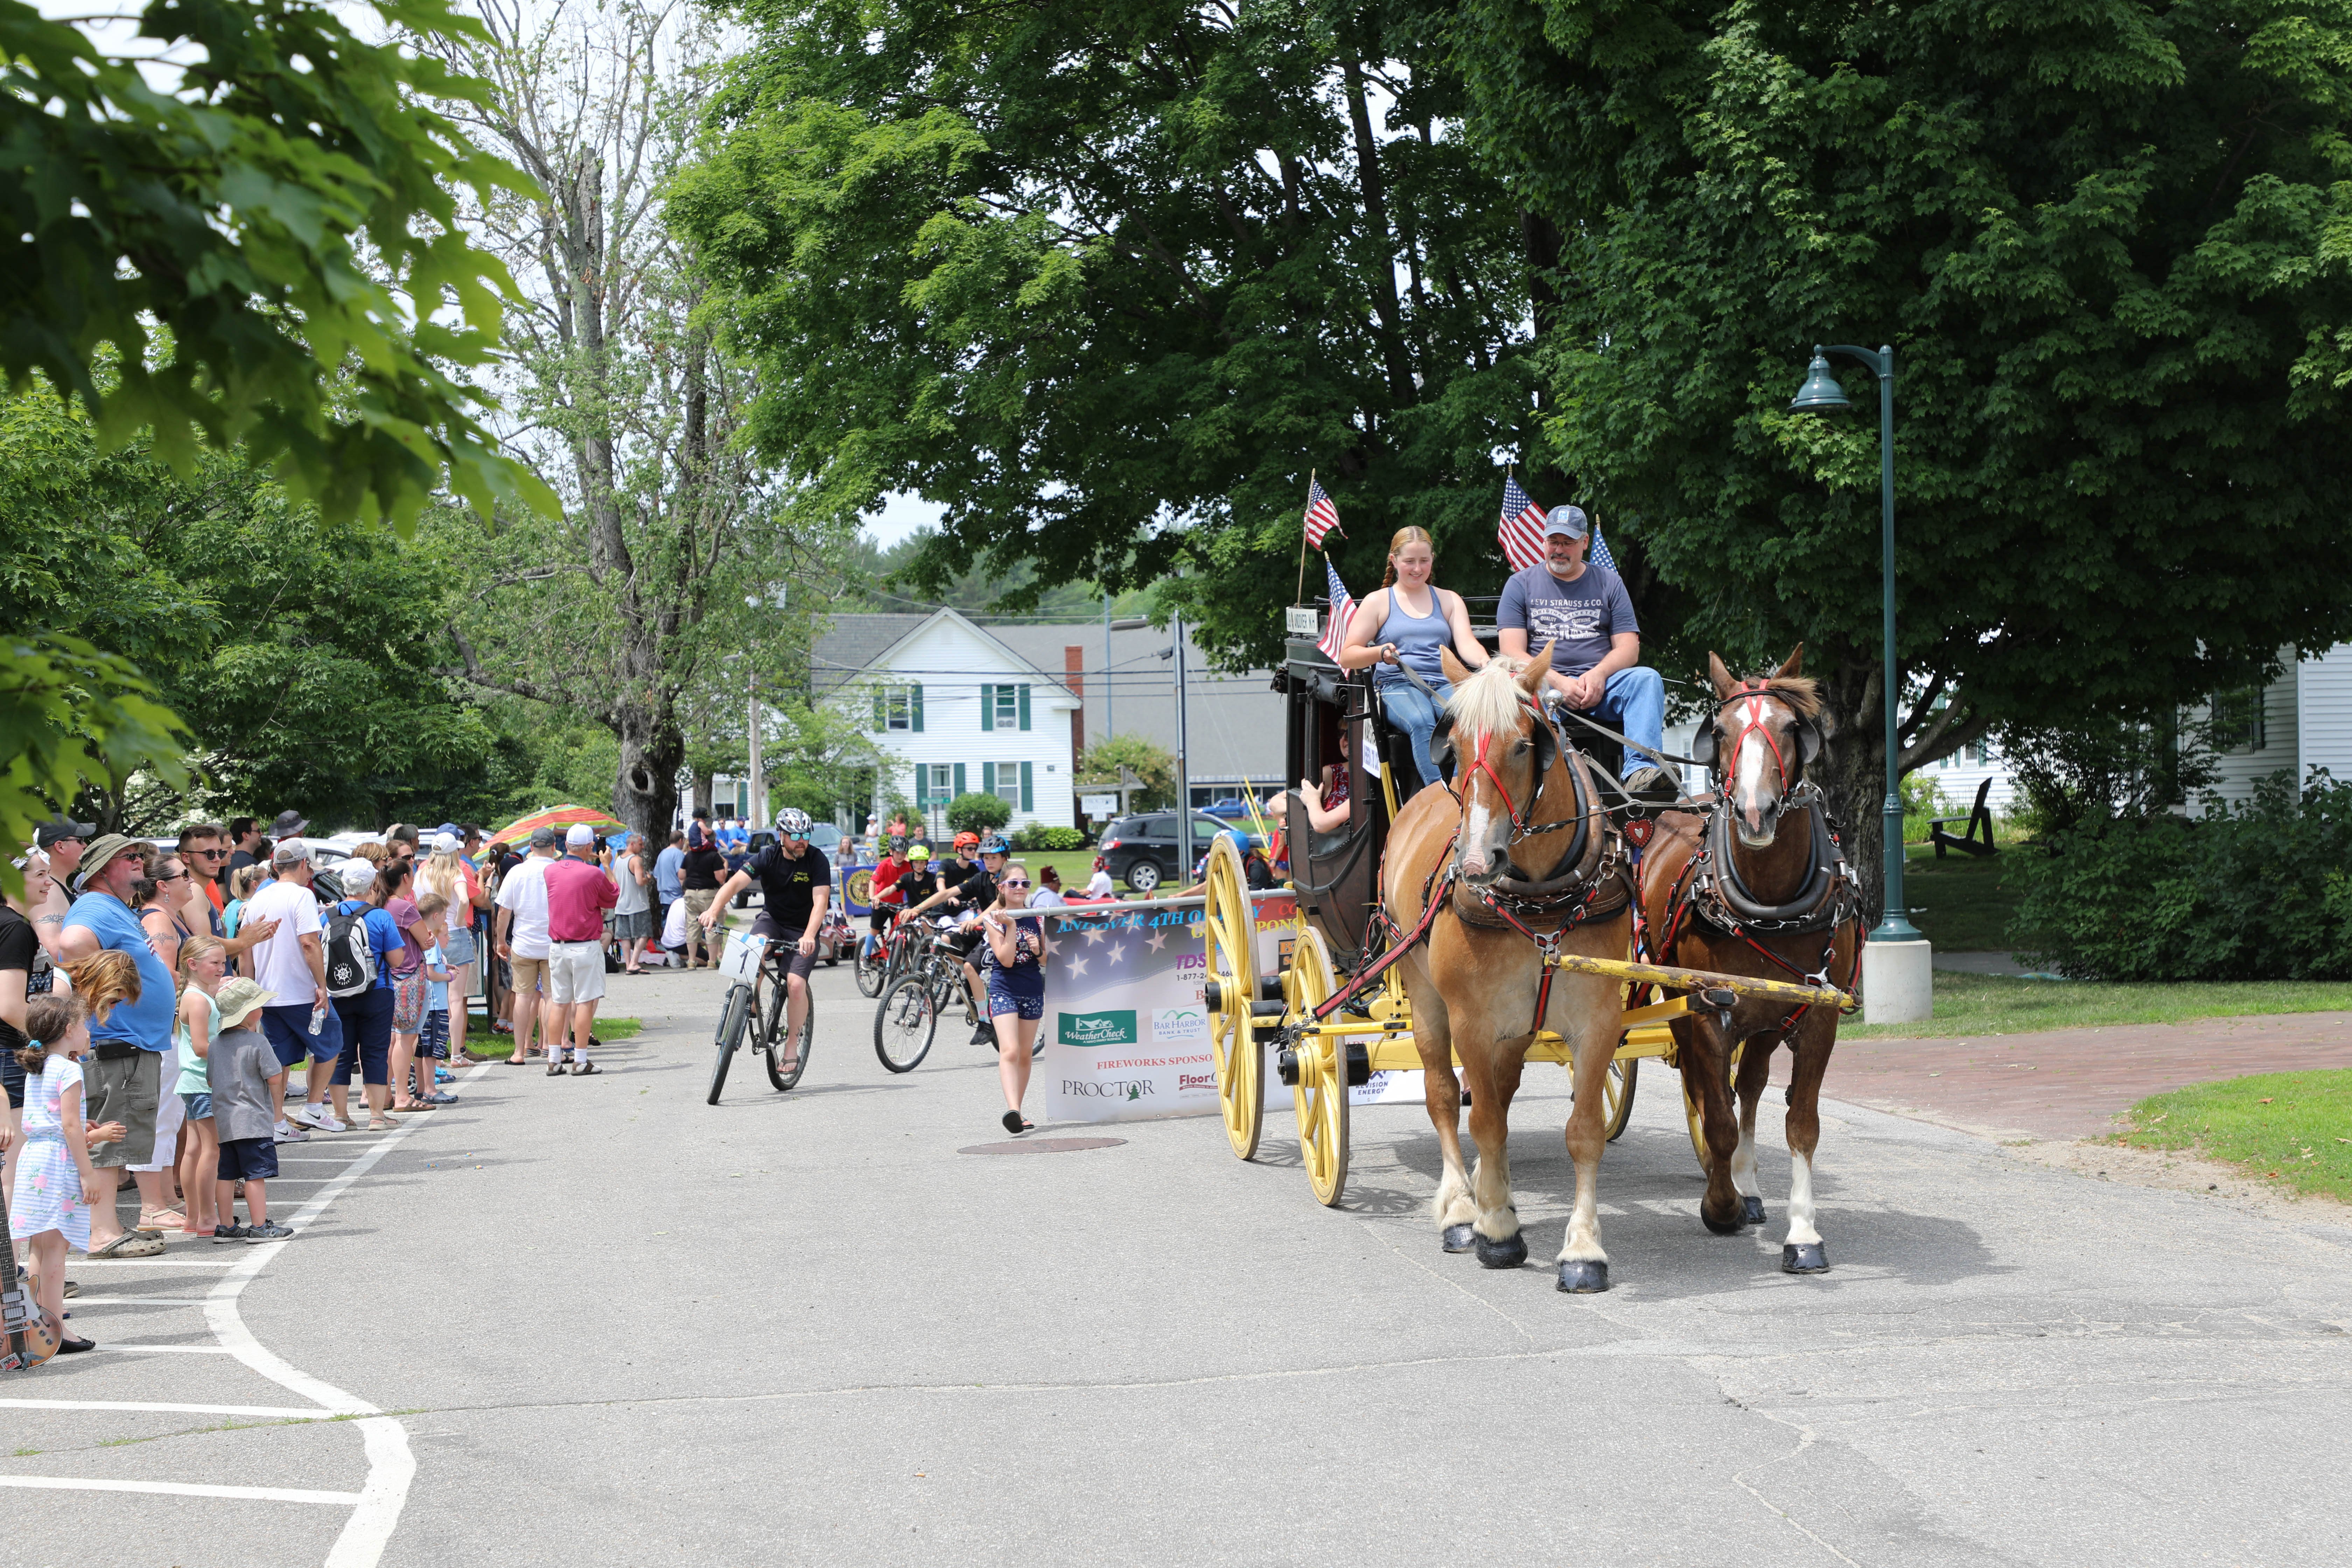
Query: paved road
column 612, row 1324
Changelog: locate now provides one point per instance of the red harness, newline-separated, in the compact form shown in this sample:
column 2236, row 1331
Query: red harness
column 1753, row 693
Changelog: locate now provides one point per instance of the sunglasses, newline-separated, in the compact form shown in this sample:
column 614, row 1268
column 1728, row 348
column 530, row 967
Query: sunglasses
column 209, row 853
column 1014, row 883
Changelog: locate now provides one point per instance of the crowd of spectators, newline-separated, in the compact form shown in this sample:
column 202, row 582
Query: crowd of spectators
column 179, row 1011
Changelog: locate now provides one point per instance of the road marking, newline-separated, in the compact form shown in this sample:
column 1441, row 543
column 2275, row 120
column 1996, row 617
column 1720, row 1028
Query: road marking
column 183, row 1488
column 283, row 1412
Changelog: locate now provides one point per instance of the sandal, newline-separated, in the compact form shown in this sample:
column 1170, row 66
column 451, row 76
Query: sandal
column 514, row 1062
column 161, row 1219
column 130, row 1244
column 582, row 1070
column 386, row 1125
column 1016, row 1123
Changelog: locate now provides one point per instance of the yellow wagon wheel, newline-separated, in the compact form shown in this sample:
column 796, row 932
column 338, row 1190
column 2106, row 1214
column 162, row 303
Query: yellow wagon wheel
column 1320, row 1097
column 1617, row 1095
column 1230, row 927
column 1690, row 1101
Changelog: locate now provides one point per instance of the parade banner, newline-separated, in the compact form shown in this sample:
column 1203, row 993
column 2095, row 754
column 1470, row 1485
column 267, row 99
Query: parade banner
column 1125, row 1032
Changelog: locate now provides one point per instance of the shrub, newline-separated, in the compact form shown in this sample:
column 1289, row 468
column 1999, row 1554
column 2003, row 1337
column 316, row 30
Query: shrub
column 1045, row 836
column 2252, row 892
column 977, row 813
column 1922, row 802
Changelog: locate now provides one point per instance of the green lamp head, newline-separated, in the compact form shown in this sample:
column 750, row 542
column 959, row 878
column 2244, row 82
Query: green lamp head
column 1820, row 394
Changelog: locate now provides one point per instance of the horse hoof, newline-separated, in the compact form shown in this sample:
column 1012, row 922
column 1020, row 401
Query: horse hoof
column 1583, row 1277
column 1804, row 1257
column 1751, row 1211
column 1507, row 1253
column 1459, row 1237
column 1721, row 1226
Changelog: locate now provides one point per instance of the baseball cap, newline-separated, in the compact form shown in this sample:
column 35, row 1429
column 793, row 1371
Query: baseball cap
column 57, row 827
column 293, row 852
column 448, row 827
column 287, row 825
column 239, row 999
column 579, row 836
column 446, row 842
column 1566, row 520
column 542, row 838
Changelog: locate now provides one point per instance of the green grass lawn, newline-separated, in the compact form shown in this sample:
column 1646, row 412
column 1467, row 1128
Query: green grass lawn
column 2293, row 1127
column 1962, row 903
column 2006, row 1004
column 607, row 1029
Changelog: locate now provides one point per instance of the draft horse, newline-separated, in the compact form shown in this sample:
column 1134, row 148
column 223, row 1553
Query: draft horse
column 1759, row 886
column 1522, row 862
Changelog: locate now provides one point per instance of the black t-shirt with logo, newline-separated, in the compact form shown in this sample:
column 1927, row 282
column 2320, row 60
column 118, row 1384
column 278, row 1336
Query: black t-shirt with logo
column 977, row 890
column 919, row 882
column 953, row 872
column 790, row 884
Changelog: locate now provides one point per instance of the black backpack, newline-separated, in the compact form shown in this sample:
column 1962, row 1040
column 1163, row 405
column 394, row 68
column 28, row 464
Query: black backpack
column 350, row 961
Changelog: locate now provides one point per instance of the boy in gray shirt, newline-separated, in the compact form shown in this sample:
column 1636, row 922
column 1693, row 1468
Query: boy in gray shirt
column 246, row 1073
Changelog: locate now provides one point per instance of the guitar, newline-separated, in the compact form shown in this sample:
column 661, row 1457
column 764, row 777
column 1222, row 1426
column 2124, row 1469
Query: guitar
column 32, row 1335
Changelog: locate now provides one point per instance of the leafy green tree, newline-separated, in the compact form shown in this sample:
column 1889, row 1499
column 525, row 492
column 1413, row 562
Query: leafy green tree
column 977, row 813
column 2104, row 239
column 1107, row 282
column 1152, row 762
column 62, row 703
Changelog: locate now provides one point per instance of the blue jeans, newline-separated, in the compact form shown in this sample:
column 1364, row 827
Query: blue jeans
column 1413, row 713
column 1635, row 706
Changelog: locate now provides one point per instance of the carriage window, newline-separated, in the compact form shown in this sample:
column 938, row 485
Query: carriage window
column 2238, row 721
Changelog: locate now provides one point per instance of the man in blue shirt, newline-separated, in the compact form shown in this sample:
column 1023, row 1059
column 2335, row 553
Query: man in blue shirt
column 669, row 887
column 1581, row 609
column 125, row 1073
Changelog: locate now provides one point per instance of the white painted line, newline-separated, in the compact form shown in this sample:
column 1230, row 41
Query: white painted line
column 282, row 1412
column 182, row 1489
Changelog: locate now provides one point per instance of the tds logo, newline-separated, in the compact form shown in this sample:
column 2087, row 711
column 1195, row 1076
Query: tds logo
column 1091, row 1029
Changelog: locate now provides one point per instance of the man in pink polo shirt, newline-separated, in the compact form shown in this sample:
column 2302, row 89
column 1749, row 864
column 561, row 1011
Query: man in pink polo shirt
column 578, row 894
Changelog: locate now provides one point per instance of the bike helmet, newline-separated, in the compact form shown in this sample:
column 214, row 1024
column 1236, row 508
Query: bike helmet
column 898, row 844
column 920, row 852
column 994, row 845
column 967, row 840
column 792, row 821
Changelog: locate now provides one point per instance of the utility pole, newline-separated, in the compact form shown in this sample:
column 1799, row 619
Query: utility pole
column 1108, row 728
column 758, row 810
column 1184, row 775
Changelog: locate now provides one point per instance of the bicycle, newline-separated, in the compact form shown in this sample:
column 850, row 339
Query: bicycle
column 909, row 1015
column 743, row 999
column 890, row 956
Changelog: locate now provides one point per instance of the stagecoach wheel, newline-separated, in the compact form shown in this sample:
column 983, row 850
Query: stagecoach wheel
column 1231, row 929
column 1321, row 1099
column 731, row 1023
column 1690, row 1104
column 1617, row 1095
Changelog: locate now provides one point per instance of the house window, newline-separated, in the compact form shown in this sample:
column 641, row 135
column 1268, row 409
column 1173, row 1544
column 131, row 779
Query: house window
column 2238, row 721
column 1005, row 708
column 898, row 710
column 934, row 781
column 1008, row 784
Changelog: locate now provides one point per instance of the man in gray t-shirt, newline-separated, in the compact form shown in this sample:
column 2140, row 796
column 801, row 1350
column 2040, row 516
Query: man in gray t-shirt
column 1582, row 611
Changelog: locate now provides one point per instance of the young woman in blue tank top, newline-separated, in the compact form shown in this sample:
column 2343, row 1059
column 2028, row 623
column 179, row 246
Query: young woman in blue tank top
column 1403, row 624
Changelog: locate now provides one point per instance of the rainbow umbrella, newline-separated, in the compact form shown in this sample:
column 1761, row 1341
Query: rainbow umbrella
column 558, row 817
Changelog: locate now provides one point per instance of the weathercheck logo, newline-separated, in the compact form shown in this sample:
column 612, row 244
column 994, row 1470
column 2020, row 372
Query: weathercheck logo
column 1092, row 1029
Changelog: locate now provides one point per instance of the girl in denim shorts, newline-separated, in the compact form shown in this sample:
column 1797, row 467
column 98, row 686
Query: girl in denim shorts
column 1016, row 985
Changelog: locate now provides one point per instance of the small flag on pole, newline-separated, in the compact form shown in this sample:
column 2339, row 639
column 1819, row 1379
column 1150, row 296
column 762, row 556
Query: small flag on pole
column 1343, row 610
column 1520, row 532
column 1600, row 557
column 1322, row 517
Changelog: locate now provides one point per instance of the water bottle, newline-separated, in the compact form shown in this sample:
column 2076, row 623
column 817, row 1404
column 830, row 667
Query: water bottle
column 318, row 1019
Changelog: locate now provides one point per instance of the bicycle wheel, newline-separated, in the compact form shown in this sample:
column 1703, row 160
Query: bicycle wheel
column 771, row 1038
column 730, row 1033
column 905, row 1023
column 872, row 971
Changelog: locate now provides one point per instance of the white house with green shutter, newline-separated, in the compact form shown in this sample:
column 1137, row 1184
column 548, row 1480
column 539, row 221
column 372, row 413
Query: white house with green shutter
column 955, row 709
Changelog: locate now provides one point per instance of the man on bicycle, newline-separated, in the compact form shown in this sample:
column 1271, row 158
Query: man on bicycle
column 796, row 883
column 976, row 892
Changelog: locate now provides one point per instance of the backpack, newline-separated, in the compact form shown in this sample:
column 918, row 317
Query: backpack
column 350, row 961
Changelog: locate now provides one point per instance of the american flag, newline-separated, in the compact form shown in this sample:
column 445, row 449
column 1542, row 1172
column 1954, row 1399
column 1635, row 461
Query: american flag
column 1520, row 532
column 1343, row 610
column 1600, row 557
column 1322, row 517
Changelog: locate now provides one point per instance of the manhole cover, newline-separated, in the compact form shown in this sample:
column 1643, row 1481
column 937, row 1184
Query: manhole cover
column 1041, row 1145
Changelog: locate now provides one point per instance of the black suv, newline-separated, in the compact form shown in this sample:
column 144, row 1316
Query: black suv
column 1140, row 850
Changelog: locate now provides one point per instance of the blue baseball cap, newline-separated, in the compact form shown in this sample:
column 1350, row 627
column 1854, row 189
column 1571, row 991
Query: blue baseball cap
column 1568, row 520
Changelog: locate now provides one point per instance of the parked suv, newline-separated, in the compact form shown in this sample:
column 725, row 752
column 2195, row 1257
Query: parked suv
column 1141, row 850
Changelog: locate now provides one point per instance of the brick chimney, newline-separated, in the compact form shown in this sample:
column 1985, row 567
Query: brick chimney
column 1074, row 665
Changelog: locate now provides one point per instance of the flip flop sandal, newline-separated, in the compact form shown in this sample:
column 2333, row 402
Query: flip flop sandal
column 585, row 1069
column 514, row 1062
column 1016, row 1123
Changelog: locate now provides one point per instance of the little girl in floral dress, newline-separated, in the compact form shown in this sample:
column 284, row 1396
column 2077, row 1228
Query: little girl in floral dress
column 50, row 1209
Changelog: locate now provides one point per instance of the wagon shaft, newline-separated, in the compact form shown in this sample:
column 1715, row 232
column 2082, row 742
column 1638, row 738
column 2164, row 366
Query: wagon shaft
column 1703, row 980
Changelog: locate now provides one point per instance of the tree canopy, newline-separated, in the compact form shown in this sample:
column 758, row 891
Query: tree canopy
column 1108, row 282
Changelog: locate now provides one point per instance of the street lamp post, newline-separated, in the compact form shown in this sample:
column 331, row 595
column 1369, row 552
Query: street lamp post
column 1898, row 973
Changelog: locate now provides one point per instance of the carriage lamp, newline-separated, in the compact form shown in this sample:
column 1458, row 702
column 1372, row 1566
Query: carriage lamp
column 1898, row 977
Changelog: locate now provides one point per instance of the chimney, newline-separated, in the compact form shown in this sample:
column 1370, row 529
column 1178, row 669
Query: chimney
column 1073, row 667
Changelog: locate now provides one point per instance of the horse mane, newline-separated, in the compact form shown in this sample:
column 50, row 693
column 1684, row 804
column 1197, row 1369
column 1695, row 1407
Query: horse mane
column 1801, row 692
column 1491, row 699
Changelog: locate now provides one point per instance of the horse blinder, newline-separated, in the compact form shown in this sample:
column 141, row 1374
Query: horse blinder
column 1441, row 748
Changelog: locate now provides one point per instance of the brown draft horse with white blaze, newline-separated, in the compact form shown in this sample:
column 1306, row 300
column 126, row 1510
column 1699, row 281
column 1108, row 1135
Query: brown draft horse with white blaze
column 1526, row 839
column 1758, row 887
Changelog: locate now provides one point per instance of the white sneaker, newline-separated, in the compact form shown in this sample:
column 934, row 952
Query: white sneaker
column 310, row 1115
column 328, row 1121
column 289, row 1133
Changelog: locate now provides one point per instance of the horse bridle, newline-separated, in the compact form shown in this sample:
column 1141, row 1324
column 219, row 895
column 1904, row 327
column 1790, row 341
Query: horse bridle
column 1752, row 693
